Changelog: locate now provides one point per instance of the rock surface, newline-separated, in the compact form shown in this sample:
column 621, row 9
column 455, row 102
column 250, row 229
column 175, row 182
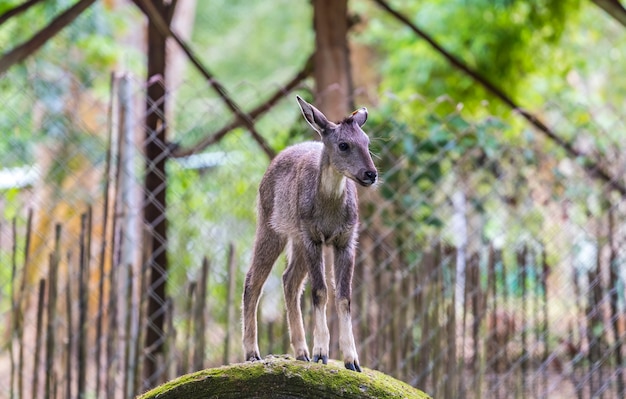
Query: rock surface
column 284, row 377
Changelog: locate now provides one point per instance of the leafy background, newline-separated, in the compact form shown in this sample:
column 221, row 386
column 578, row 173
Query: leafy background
column 435, row 131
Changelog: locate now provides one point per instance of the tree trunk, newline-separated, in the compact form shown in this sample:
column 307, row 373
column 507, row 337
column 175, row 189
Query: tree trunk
column 282, row 377
column 333, row 86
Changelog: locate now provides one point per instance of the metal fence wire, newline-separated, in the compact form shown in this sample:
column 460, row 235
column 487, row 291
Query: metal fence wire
column 486, row 267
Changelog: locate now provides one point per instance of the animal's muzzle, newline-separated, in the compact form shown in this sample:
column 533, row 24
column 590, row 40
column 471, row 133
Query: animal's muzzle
column 368, row 178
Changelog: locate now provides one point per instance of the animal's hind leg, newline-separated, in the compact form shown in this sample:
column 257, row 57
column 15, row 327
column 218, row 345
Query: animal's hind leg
column 267, row 246
column 293, row 279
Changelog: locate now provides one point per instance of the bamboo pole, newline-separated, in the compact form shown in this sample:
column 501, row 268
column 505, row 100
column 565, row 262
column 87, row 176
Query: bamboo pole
column 462, row 387
column 536, row 313
column 506, row 306
column 37, row 356
column 14, row 312
column 52, row 301
column 23, row 305
column 591, row 320
column 450, row 333
column 82, row 308
column 477, row 317
column 70, row 331
column 170, row 353
column 545, row 270
column 393, row 322
column 405, row 333
column 129, row 361
column 189, row 303
column 362, row 272
column 614, row 289
column 523, row 266
column 491, row 299
column 139, row 332
column 580, row 311
column 436, row 315
column 230, row 313
column 112, row 342
column 112, row 249
column 104, row 238
column 199, row 316
column 426, row 299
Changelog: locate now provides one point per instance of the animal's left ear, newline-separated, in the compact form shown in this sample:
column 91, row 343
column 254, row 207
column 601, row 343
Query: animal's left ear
column 360, row 116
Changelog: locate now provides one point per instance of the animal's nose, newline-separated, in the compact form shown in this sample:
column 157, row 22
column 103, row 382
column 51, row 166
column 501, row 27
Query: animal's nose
column 371, row 175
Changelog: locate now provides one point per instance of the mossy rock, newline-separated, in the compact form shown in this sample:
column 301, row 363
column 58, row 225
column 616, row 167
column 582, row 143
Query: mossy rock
column 286, row 378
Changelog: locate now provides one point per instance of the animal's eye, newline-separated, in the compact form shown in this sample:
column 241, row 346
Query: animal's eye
column 343, row 146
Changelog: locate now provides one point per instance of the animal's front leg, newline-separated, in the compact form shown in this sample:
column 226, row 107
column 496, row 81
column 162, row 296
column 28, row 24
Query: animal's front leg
column 321, row 335
column 344, row 266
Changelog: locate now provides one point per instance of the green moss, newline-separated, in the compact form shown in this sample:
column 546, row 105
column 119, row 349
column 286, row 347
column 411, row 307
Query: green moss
column 284, row 377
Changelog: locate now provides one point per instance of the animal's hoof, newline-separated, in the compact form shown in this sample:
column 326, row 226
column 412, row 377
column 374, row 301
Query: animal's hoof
column 253, row 356
column 304, row 358
column 354, row 366
column 323, row 358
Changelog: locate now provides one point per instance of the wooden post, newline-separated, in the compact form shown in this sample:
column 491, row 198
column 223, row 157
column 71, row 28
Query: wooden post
column 52, row 301
column 198, row 316
column 155, row 188
column 230, row 314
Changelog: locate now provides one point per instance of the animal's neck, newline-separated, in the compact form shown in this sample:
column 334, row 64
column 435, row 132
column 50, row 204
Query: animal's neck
column 332, row 184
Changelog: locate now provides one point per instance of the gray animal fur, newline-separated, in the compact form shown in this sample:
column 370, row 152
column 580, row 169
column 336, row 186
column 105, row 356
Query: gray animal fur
column 307, row 201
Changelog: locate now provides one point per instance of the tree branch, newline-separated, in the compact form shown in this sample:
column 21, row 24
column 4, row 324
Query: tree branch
column 254, row 114
column 20, row 53
column 591, row 167
column 614, row 8
column 148, row 8
column 17, row 10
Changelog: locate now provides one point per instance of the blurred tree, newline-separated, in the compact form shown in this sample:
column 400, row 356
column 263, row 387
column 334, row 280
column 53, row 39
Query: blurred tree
column 333, row 86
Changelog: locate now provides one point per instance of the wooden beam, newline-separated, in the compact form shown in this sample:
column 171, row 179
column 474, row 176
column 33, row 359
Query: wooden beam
column 614, row 8
column 17, row 10
column 159, row 21
column 21, row 52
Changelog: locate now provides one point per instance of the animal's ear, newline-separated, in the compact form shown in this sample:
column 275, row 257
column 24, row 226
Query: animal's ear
column 314, row 116
column 360, row 116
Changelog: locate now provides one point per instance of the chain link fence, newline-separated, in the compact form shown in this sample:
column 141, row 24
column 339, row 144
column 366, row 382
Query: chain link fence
column 489, row 263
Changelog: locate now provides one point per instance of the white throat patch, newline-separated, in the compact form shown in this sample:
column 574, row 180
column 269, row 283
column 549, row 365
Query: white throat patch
column 332, row 184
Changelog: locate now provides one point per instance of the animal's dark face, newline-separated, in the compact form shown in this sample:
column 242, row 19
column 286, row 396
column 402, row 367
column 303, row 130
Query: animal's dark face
column 345, row 142
column 348, row 147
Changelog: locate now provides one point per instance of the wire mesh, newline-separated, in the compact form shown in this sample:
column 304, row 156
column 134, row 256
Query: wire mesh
column 488, row 265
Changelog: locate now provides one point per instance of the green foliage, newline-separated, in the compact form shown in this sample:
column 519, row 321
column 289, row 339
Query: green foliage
column 428, row 151
column 553, row 57
column 505, row 41
column 210, row 209
column 434, row 130
column 252, row 42
column 252, row 50
column 36, row 92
